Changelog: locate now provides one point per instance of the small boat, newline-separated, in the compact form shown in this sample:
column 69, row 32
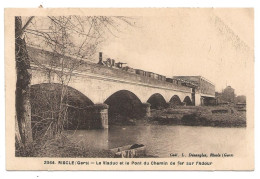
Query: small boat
column 129, row 151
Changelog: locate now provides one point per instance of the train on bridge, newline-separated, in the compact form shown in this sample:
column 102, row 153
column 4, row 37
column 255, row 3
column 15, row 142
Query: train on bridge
column 120, row 65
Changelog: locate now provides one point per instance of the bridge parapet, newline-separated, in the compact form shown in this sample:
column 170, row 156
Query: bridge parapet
column 124, row 75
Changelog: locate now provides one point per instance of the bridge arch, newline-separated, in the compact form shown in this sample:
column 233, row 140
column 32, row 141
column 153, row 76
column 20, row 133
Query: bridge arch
column 123, row 104
column 74, row 97
column 187, row 101
column 45, row 107
column 157, row 101
column 175, row 100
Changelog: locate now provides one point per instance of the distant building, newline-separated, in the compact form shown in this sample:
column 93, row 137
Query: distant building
column 228, row 94
column 240, row 99
column 203, row 90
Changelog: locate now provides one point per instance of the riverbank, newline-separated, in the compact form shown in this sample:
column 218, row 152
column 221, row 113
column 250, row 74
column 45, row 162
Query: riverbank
column 215, row 116
column 62, row 147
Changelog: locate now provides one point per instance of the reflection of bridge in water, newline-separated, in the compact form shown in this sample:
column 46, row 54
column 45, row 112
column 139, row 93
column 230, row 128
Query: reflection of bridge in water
column 123, row 92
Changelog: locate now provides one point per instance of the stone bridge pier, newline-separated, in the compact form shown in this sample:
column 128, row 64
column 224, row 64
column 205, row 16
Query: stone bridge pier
column 98, row 114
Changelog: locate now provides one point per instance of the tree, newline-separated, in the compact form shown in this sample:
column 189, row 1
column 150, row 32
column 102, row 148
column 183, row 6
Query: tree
column 23, row 132
column 71, row 40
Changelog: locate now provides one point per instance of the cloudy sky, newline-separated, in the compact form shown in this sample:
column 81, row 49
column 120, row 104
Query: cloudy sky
column 215, row 43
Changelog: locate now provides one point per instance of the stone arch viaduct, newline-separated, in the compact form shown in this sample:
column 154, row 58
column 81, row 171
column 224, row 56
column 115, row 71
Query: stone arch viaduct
column 98, row 83
column 100, row 87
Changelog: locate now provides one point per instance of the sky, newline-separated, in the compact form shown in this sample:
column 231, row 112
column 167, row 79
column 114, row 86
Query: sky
column 217, row 44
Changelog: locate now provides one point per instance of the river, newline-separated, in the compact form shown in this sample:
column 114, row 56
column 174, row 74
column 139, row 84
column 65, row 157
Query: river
column 161, row 140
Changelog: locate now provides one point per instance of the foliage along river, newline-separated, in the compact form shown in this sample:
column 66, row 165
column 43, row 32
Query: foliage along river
column 162, row 140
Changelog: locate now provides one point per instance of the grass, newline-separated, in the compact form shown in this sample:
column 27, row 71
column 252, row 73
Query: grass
column 61, row 147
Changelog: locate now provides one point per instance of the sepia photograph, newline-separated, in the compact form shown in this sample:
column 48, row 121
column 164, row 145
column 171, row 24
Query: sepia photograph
column 165, row 88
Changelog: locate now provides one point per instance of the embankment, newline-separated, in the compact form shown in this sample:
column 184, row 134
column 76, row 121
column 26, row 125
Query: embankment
column 215, row 116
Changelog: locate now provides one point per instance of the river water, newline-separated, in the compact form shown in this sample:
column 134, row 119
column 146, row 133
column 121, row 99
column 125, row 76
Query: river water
column 161, row 140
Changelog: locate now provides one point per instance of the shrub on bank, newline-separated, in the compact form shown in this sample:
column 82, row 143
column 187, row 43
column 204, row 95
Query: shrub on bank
column 63, row 147
column 200, row 116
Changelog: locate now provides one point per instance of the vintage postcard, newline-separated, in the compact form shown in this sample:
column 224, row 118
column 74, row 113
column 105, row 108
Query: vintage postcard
column 129, row 89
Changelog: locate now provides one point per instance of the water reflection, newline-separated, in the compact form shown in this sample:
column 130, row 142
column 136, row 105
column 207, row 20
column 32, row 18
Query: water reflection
column 161, row 140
